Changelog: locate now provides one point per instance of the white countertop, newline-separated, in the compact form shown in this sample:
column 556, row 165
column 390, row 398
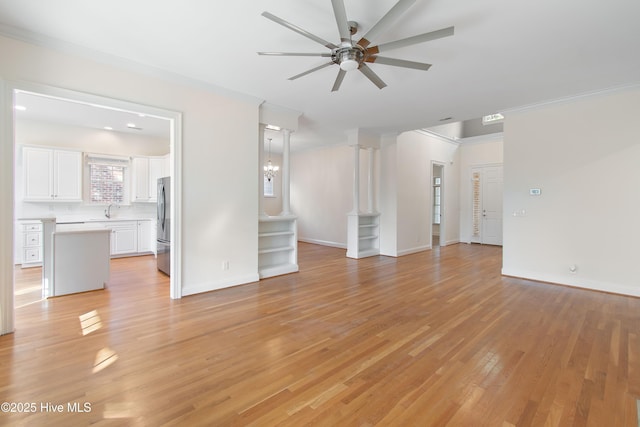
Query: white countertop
column 43, row 219
column 90, row 220
column 80, row 220
column 82, row 229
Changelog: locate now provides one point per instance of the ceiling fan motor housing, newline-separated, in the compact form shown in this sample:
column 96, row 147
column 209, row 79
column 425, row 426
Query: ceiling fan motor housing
column 348, row 58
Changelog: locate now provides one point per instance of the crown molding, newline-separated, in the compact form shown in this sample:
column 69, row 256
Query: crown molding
column 571, row 98
column 120, row 62
column 454, row 141
column 482, row 139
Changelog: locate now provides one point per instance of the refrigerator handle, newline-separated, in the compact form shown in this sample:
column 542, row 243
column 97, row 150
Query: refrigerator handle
column 164, row 209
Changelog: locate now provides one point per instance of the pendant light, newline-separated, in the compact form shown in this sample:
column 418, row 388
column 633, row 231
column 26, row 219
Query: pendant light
column 270, row 171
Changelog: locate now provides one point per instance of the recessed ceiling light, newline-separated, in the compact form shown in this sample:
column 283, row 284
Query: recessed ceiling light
column 445, row 119
column 142, row 115
column 108, row 128
column 131, row 125
column 273, row 127
column 20, row 107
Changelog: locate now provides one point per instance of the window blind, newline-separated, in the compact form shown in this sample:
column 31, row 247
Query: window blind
column 107, row 160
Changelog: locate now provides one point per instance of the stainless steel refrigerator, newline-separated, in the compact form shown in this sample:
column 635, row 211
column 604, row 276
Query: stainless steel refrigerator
column 164, row 225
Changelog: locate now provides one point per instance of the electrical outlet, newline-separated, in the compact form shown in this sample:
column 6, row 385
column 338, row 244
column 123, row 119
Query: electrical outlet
column 225, row 265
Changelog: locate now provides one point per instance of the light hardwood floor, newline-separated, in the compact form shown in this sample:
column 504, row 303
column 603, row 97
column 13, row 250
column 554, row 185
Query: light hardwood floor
column 430, row 339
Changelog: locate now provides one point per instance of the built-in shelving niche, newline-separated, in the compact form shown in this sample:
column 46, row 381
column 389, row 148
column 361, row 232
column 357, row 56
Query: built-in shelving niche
column 363, row 238
column 277, row 246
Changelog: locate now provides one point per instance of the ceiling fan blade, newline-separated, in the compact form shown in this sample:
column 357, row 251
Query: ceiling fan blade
column 364, row 69
column 324, row 55
column 398, row 62
column 299, row 30
column 319, row 67
column 433, row 35
column 341, row 19
column 339, row 79
column 384, row 22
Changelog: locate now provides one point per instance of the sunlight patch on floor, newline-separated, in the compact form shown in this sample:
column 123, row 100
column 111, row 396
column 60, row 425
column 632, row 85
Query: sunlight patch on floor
column 105, row 358
column 90, row 322
column 119, row 410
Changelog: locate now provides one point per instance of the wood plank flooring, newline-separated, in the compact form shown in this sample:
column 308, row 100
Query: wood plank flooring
column 437, row 338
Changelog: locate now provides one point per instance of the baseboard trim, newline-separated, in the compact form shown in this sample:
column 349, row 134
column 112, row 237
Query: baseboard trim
column 414, row 250
column 214, row 286
column 323, row 243
column 593, row 285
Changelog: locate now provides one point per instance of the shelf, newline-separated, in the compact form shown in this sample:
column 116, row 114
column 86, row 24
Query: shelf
column 369, row 252
column 277, row 270
column 368, row 225
column 367, row 237
column 273, row 250
column 276, row 233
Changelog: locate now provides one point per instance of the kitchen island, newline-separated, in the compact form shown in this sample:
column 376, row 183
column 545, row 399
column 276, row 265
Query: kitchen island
column 80, row 260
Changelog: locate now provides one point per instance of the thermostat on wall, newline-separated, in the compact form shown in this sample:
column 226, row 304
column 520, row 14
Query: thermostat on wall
column 534, row 192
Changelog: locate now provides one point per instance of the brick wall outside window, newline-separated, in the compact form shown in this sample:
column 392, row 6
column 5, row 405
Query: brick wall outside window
column 107, row 183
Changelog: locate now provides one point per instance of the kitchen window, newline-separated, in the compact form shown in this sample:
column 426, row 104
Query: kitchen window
column 107, row 179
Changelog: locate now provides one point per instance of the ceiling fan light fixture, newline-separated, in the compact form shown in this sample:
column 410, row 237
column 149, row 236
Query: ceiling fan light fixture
column 349, row 58
column 349, row 64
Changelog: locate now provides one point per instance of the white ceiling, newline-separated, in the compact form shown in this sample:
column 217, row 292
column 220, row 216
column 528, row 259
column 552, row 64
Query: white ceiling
column 55, row 110
column 504, row 54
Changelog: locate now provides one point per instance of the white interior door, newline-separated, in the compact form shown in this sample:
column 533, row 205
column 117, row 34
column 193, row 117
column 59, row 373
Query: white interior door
column 487, row 190
column 492, row 206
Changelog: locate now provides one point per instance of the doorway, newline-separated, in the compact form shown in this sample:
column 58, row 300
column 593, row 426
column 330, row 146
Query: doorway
column 115, row 106
column 437, row 203
column 486, row 193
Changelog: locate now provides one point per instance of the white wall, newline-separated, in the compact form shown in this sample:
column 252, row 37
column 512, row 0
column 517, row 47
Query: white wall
column 477, row 151
column 388, row 195
column 584, row 154
column 408, row 163
column 220, row 156
column 321, row 193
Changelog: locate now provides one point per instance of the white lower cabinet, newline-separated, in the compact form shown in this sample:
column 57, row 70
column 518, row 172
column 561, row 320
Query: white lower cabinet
column 146, row 236
column 124, row 238
column 128, row 237
column 30, row 238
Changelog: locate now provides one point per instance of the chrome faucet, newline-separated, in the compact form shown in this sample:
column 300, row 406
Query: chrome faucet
column 107, row 211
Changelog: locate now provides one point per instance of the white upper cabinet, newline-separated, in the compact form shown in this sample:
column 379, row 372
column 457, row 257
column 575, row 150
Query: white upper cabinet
column 156, row 171
column 52, row 175
column 67, row 182
column 146, row 171
column 140, row 190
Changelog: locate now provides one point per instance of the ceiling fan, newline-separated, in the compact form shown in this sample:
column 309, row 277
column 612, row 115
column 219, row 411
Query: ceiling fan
column 350, row 56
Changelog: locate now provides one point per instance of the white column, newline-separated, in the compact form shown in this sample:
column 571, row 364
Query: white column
column 261, row 211
column 356, row 179
column 370, row 201
column 286, row 199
